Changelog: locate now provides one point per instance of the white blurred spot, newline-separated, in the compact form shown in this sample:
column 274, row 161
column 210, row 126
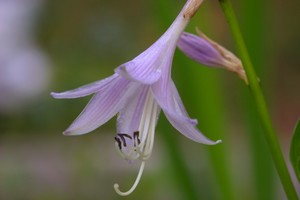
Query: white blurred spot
column 24, row 70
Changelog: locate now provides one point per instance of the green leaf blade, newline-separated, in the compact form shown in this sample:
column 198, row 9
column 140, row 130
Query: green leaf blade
column 295, row 150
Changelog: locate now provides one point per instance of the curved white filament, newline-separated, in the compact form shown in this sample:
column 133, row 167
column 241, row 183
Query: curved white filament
column 137, row 180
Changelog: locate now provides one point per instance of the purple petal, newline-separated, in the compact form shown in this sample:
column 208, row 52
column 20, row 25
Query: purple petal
column 169, row 100
column 87, row 89
column 130, row 115
column 146, row 68
column 199, row 50
column 188, row 130
column 102, row 107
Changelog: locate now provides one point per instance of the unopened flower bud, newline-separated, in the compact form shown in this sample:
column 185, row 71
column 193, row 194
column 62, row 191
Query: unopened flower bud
column 207, row 52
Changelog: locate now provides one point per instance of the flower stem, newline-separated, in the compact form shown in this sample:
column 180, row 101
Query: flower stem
column 260, row 103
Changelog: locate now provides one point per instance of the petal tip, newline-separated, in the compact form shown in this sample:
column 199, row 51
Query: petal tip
column 218, row 141
column 73, row 131
column 67, row 133
column 70, row 133
column 120, row 70
column 213, row 142
column 57, row 95
column 53, row 94
column 193, row 121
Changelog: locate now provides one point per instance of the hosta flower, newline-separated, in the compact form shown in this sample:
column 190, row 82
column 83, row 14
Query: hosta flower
column 137, row 92
column 205, row 51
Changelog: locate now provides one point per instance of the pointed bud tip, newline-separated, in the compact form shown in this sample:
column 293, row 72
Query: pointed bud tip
column 242, row 74
column 230, row 61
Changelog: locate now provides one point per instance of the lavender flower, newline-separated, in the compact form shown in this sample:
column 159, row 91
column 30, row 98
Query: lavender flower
column 137, row 92
column 205, row 51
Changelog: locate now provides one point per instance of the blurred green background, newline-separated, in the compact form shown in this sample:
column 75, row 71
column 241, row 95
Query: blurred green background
column 86, row 40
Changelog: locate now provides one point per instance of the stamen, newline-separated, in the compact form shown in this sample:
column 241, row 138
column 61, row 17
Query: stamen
column 136, row 138
column 125, row 135
column 122, row 137
column 119, row 142
column 137, row 180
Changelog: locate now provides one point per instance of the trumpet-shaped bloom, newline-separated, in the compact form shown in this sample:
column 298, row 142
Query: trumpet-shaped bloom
column 206, row 51
column 137, row 92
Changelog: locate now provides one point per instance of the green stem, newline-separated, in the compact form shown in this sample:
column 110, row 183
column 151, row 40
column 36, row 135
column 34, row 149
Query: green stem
column 256, row 91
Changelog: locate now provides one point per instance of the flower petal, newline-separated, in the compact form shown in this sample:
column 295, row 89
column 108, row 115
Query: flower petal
column 129, row 119
column 146, row 67
column 169, row 100
column 188, row 130
column 102, row 107
column 130, row 115
column 86, row 89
